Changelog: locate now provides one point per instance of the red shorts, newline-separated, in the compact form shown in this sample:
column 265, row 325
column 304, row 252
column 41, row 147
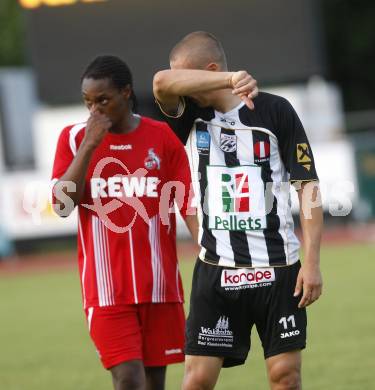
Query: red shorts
column 151, row 332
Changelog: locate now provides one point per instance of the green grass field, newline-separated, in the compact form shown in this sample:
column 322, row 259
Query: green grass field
column 44, row 342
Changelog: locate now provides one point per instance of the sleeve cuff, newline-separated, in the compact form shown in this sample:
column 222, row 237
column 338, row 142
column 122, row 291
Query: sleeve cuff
column 180, row 109
column 296, row 183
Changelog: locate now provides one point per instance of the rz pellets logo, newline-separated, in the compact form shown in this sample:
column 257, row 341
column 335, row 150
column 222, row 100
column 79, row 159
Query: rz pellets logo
column 235, row 195
column 236, row 199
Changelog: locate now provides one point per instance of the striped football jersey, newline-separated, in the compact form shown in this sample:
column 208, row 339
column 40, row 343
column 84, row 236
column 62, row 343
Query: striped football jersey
column 242, row 163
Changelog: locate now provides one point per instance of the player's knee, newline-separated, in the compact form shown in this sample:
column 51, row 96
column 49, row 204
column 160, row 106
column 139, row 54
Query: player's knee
column 285, row 377
column 197, row 379
column 127, row 382
column 155, row 377
column 128, row 377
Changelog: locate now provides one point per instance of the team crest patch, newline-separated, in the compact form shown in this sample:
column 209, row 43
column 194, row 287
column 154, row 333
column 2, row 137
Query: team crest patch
column 303, row 155
column 152, row 161
column 261, row 152
column 228, row 142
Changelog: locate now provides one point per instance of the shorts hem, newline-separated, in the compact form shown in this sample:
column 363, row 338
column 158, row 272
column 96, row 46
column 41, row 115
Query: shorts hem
column 288, row 348
column 279, row 264
column 116, row 362
column 125, row 303
column 164, row 362
column 230, row 360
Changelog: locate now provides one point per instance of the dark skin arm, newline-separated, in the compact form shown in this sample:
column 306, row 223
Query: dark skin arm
column 193, row 226
column 72, row 183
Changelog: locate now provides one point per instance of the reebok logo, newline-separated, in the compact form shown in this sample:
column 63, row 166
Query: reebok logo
column 247, row 277
column 173, row 351
column 121, row 147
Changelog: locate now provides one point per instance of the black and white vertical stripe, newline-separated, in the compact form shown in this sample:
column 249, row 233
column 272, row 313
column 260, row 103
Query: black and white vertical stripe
column 208, row 240
column 238, row 240
column 277, row 243
column 272, row 236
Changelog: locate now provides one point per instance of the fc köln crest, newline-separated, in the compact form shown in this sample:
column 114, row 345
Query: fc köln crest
column 228, row 142
column 261, row 152
column 152, row 161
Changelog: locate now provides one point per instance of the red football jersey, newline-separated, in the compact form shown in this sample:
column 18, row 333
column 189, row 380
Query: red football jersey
column 126, row 224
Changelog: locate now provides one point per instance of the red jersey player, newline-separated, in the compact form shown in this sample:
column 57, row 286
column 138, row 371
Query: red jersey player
column 119, row 168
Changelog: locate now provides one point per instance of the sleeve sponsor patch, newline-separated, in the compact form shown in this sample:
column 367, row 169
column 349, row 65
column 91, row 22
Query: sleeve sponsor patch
column 303, row 155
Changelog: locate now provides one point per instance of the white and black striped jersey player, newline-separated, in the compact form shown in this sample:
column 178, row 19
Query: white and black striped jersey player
column 242, row 162
column 244, row 150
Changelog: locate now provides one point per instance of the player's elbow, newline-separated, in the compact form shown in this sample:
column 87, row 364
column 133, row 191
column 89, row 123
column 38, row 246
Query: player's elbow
column 64, row 198
column 160, row 83
column 62, row 210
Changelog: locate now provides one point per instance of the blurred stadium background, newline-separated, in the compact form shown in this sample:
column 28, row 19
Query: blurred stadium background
column 317, row 53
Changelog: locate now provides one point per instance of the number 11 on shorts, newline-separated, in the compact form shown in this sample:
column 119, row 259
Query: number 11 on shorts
column 284, row 321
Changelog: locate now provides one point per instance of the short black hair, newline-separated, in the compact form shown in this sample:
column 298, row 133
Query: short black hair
column 201, row 48
column 113, row 68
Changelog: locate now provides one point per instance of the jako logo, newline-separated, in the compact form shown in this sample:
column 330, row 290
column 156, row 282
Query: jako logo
column 227, row 120
column 235, row 195
column 290, row 334
column 240, row 277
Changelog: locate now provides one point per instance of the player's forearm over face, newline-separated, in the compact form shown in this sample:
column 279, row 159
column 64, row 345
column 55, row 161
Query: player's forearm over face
column 186, row 82
column 69, row 189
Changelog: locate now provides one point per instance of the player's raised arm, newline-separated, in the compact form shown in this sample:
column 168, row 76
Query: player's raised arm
column 169, row 85
column 68, row 190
